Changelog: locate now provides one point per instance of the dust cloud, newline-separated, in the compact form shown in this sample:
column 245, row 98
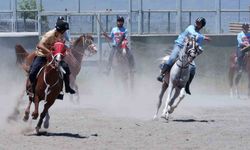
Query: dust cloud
column 105, row 93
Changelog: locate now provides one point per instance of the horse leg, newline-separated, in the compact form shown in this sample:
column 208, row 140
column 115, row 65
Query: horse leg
column 176, row 94
column 237, row 79
column 231, row 79
column 248, row 85
column 27, row 110
column 35, row 112
column 46, row 122
column 165, row 113
column 132, row 81
column 163, row 89
column 44, row 113
column 77, row 93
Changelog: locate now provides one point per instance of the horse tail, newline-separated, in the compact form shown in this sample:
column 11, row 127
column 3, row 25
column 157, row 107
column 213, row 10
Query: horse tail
column 21, row 54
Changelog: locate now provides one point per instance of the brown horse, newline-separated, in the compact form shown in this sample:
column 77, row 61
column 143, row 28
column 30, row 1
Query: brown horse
column 122, row 69
column 73, row 58
column 76, row 54
column 233, row 75
column 48, row 86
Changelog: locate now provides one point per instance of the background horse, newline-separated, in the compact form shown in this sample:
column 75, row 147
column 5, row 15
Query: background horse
column 178, row 78
column 49, row 84
column 76, row 54
column 123, row 71
column 73, row 58
column 234, row 76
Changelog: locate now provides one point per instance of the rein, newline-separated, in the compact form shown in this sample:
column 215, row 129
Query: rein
column 48, row 86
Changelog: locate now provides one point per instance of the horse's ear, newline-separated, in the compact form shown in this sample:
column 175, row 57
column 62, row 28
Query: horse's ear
column 84, row 35
column 89, row 35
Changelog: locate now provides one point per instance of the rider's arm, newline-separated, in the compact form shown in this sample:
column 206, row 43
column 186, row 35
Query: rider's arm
column 41, row 45
column 67, row 36
column 192, row 31
column 240, row 41
column 111, row 36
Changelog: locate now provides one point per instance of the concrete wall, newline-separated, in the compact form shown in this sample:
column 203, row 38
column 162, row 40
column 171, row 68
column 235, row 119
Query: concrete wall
column 8, row 42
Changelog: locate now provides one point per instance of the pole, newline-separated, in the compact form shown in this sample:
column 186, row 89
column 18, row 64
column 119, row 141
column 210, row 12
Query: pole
column 178, row 21
column 14, row 18
column 99, row 37
column 129, row 20
column 140, row 17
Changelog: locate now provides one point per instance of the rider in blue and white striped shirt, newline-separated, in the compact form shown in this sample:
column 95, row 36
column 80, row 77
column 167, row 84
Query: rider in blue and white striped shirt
column 117, row 35
column 191, row 30
column 243, row 39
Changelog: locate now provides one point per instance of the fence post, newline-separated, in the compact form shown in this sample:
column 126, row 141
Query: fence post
column 149, row 21
column 14, row 18
column 218, row 16
column 98, row 25
column 179, row 11
column 129, row 22
column 140, row 17
column 39, row 22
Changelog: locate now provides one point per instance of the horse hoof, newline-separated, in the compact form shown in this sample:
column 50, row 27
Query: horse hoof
column 34, row 116
column 155, row 118
column 46, row 124
column 37, row 130
column 26, row 116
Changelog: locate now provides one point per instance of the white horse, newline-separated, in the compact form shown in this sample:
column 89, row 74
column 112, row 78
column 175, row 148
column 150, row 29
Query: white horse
column 178, row 78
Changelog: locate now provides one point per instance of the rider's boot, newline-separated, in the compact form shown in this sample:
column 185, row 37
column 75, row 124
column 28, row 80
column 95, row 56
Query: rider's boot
column 165, row 69
column 188, row 83
column 68, row 89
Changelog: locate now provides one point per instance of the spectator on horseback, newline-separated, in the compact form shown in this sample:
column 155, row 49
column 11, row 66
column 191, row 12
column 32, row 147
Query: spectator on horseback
column 191, row 30
column 117, row 35
column 66, row 34
column 44, row 48
column 243, row 39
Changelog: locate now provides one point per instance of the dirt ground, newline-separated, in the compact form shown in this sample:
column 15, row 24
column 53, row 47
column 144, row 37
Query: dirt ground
column 106, row 118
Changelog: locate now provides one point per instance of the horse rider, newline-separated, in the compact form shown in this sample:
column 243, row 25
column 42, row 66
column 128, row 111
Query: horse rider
column 243, row 39
column 117, row 35
column 191, row 30
column 66, row 34
column 44, row 48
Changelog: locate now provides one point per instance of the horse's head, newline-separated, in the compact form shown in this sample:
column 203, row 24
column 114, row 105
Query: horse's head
column 85, row 42
column 124, row 46
column 58, row 52
column 192, row 48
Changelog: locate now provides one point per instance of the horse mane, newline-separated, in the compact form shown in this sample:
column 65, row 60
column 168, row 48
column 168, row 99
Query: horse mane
column 77, row 41
column 21, row 54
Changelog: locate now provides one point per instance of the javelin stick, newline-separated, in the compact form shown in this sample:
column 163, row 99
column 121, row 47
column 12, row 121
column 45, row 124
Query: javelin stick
column 107, row 40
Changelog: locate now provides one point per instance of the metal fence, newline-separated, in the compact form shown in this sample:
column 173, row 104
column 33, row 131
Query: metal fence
column 140, row 20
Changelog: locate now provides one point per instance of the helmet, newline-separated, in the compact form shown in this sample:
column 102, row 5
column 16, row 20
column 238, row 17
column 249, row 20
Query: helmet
column 60, row 18
column 61, row 25
column 202, row 20
column 120, row 18
column 245, row 25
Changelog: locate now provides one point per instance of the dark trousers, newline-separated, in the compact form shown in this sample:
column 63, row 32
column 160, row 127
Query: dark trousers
column 65, row 67
column 36, row 65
